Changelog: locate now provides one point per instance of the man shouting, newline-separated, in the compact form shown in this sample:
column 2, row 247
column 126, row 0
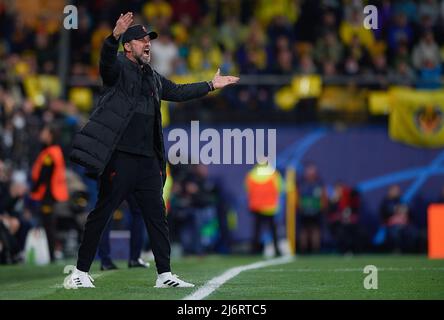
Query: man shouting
column 122, row 145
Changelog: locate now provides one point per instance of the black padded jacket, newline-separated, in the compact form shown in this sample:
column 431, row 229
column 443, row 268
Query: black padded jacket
column 94, row 144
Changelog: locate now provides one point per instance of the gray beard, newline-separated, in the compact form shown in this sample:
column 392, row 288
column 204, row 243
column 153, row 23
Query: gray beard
column 143, row 60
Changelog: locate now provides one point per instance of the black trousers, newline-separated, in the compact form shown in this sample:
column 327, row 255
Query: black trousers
column 259, row 220
column 139, row 176
column 137, row 234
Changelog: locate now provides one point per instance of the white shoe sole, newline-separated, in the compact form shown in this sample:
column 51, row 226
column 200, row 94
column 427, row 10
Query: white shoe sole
column 165, row 286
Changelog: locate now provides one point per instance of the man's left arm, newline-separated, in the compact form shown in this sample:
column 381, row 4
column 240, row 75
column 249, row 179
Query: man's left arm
column 183, row 92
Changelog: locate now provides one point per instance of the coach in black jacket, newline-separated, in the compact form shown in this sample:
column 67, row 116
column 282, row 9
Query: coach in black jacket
column 122, row 143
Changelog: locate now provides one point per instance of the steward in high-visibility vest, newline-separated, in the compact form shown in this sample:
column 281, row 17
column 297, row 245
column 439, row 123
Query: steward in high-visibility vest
column 263, row 184
column 49, row 183
column 49, row 175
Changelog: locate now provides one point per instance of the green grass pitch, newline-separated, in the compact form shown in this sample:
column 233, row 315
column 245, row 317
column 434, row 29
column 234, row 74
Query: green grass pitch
column 307, row 277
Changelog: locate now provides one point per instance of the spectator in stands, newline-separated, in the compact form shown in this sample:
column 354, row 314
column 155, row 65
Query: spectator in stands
column 97, row 38
column 206, row 26
column 399, row 32
column 284, row 63
column 252, row 55
column 206, row 55
column 328, row 48
column 189, row 8
column 280, row 27
column 351, row 66
column 352, row 27
column 407, row 7
column 227, row 65
column 8, row 244
column 392, row 210
column 194, row 210
column 312, row 202
column 357, row 58
column 343, row 217
column 379, row 65
column 22, row 37
column 287, row 10
column 427, row 59
column 397, row 234
column 428, row 8
column 279, row 45
column 181, row 32
column 156, row 10
column 380, row 70
column 19, row 146
column 4, row 180
column 403, row 74
column 164, row 54
column 426, row 53
column 329, row 24
column 329, row 68
column 45, row 52
column 15, row 216
column 401, row 55
column 231, row 33
column 306, row 65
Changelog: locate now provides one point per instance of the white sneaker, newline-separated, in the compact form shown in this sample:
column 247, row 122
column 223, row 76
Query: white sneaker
column 78, row 279
column 168, row 280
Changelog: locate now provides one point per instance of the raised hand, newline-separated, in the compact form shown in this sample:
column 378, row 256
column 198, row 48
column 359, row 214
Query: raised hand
column 122, row 24
column 221, row 81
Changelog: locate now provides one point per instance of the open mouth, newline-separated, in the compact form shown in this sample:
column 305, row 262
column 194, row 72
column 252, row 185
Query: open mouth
column 146, row 51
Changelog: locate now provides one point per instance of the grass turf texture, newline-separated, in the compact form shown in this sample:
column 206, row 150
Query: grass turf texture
column 308, row 277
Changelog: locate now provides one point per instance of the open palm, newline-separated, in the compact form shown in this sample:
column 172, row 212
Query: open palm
column 221, row 81
column 122, row 24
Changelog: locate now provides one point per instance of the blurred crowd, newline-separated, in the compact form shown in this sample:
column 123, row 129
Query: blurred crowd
column 249, row 37
column 198, row 211
column 330, row 218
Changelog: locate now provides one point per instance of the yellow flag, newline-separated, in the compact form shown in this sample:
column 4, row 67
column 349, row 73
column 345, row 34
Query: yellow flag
column 417, row 117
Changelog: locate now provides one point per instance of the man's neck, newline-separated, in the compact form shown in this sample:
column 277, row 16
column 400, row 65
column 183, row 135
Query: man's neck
column 132, row 59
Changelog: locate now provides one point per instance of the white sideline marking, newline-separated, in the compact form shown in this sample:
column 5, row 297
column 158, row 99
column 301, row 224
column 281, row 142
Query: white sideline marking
column 216, row 282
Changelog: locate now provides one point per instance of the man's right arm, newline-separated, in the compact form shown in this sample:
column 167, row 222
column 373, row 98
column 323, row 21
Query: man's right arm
column 109, row 65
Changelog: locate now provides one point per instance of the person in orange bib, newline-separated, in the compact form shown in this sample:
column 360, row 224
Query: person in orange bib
column 49, row 182
column 263, row 184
